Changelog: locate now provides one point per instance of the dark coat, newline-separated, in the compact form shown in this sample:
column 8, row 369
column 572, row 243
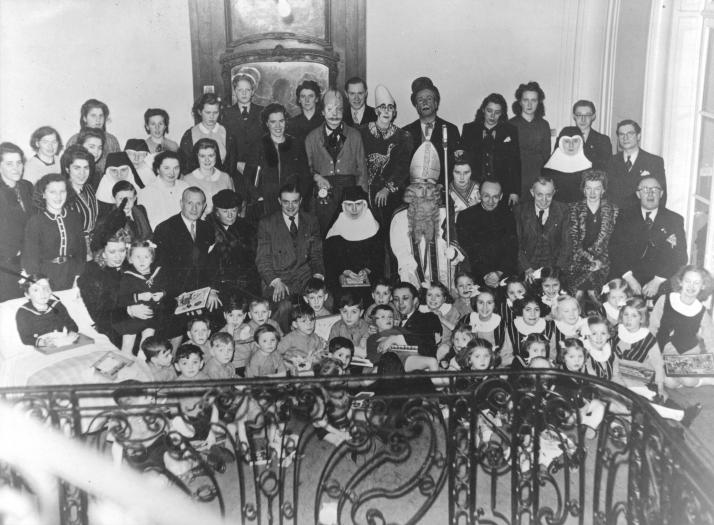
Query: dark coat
column 436, row 138
column 228, row 164
column 279, row 257
column 300, row 127
column 244, row 131
column 421, row 329
column 98, row 287
column 506, row 154
column 182, row 258
column 341, row 255
column 580, row 259
column 598, row 150
column 541, row 245
column 368, row 116
column 622, row 185
column 489, row 239
column 647, row 252
column 233, row 256
column 266, row 171
column 13, row 219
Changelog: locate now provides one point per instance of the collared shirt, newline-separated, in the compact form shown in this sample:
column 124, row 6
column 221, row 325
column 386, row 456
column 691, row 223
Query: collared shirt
column 431, row 130
column 188, row 223
column 241, row 107
column 653, row 213
column 546, row 213
column 286, row 218
column 358, row 114
column 206, row 131
column 633, row 156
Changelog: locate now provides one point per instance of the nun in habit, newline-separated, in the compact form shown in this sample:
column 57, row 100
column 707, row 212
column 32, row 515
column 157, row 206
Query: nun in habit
column 354, row 250
column 567, row 164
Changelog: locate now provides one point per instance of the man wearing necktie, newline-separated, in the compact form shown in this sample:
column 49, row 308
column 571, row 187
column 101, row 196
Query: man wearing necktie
column 182, row 243
column 429, row 126
column 242, row 120
column 289, row 253
column 629, row 165
column 360, row 113
column 541, row 226
column 648, row 245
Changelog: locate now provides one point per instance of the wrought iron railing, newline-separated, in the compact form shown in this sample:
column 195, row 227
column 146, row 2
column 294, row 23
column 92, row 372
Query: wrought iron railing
column 513, row 447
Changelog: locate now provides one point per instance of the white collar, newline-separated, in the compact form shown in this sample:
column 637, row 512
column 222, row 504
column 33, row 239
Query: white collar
column 560, row 161
column 477, row 325
column 443, row 309
column 358, row 112
column 578, row 329
column 690, row 310
column 216, row 129
column 213, row 177
column 188, row 222
column 653, row 213
column 600, row 356
column 359, row 229
column 631, row 337
column 526, row 329
column 286, row 219
column 633, row 156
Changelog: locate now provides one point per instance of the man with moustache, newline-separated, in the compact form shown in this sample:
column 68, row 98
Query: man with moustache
column 335, row 153
column 418, row 231
column 487, row 233
column 429, row 126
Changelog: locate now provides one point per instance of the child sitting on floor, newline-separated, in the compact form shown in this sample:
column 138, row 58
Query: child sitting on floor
column 568, row 323
column 235, row 312
column 245, row 345
column 315, row 294
column 467, row 289
column 437, row 300
column 43, row 315
column 534, row 346
column 460, row 338
column 334, row 426
column 341, row 349
column 265, row 361
column 302, row 347
column 159, row 357
column 198, row 330
column 351, row 325
column 220, row 363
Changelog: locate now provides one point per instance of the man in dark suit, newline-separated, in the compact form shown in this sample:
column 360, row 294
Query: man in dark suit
column 487, row 233
column 423, row 329
column 360, row 114
column 182, row 245
column 289, row 253
column 541, row 228
column 648, row 245
column 243, row 119
column 426, row 98
column 597, row 147
column 630, row 165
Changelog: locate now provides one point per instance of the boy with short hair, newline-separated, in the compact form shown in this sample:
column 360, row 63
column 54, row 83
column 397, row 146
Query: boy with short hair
column 235, row 312
column 198, row 330
column 43, row 314
column 265, row 361
column 188, row 361
column 342, row 349
column 351, row 325
column 159, row 357
column 381, row 295
column 245, row 345
column 315, row 294
column 302, row 346
column 220, row 363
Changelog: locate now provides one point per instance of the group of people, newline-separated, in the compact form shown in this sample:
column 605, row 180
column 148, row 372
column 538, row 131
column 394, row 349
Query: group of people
column 432, row 244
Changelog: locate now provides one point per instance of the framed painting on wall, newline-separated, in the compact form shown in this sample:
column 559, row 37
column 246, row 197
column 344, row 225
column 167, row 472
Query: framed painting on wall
column 253, row 20
column 277, row 81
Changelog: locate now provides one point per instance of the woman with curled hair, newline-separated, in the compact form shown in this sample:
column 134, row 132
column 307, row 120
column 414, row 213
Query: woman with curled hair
column 681, row 322
column 492, row 143
column 78, row 165
column 156, row 124
column 273, row 160
column 54, row 242
column 207, row 112
column 15, row 210
column 46, row 143
column 308, row 96
column 533, row 132
column 94, row 114
column 590, row 225
column 208, row 175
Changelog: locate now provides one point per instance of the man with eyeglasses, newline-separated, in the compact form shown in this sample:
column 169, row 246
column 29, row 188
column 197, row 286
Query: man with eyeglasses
column 648, row 245
column 629, row 165
column 429, row 126
column 596, row 146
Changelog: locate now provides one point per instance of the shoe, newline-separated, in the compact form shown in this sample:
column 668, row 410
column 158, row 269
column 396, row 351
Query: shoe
column 690, row 414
